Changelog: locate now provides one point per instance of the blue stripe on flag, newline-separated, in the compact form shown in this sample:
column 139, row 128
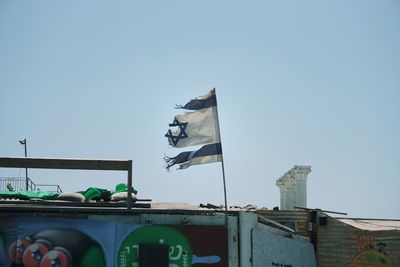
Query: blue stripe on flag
column 207, row 150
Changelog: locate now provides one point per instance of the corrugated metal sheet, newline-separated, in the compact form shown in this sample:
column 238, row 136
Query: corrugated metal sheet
column 340, row 244
column 286, row 217
column 373, row 225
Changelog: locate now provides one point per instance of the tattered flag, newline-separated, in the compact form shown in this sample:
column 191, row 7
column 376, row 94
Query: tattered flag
column 206, row 154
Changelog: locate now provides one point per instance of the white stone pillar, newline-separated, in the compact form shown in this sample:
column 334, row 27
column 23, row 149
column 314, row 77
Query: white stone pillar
column 283, row 186
column 291, row 191
column 293, row 187
column 301, row 173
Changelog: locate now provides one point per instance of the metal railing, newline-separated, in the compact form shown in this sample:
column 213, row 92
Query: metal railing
column 25, row 184
column 48, row 188
column 73, row 164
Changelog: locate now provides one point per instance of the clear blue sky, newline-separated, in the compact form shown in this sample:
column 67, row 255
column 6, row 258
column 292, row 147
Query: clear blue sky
column 298, row 82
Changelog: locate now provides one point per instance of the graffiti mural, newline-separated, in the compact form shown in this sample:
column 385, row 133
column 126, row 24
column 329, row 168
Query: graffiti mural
column 340, row 243
column 371, row 253
column 63, row 242
column 39, row 242
column 56, row 247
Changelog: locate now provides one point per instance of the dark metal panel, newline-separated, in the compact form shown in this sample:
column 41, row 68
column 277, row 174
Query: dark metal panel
column 153, row 255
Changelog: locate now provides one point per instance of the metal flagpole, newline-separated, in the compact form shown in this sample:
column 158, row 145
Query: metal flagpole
column 222, row 162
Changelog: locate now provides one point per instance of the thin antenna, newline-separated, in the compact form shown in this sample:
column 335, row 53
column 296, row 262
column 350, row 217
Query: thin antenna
column 23, row 142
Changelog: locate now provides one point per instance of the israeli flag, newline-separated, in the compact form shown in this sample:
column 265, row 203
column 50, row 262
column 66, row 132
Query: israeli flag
column 198, row 127
column 206, row 154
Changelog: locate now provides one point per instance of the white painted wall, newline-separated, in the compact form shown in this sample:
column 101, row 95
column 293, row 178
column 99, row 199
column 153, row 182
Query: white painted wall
column 262, row 246
column 270, row 249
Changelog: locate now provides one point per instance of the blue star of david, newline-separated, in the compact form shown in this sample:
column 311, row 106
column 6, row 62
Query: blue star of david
column 182, row 134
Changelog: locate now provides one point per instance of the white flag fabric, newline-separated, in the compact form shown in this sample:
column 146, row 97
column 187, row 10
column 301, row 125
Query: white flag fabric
column 197, row 127
column 201, row 128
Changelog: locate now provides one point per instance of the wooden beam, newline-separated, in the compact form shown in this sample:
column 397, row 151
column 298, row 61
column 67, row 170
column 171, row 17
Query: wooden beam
column 129, row 204
column 70, row 164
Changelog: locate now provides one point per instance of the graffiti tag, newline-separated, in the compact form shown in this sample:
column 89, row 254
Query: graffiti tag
column 281, row 264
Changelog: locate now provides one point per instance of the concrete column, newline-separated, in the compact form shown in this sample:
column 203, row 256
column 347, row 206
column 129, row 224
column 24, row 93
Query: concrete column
column 283, row 187
column 291, row 192
column 301, row 173
column 293, row 187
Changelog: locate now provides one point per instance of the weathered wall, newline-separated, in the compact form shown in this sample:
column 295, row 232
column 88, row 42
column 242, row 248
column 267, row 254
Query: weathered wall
column 339, row 244
column 274, row 250
column 263, row 246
